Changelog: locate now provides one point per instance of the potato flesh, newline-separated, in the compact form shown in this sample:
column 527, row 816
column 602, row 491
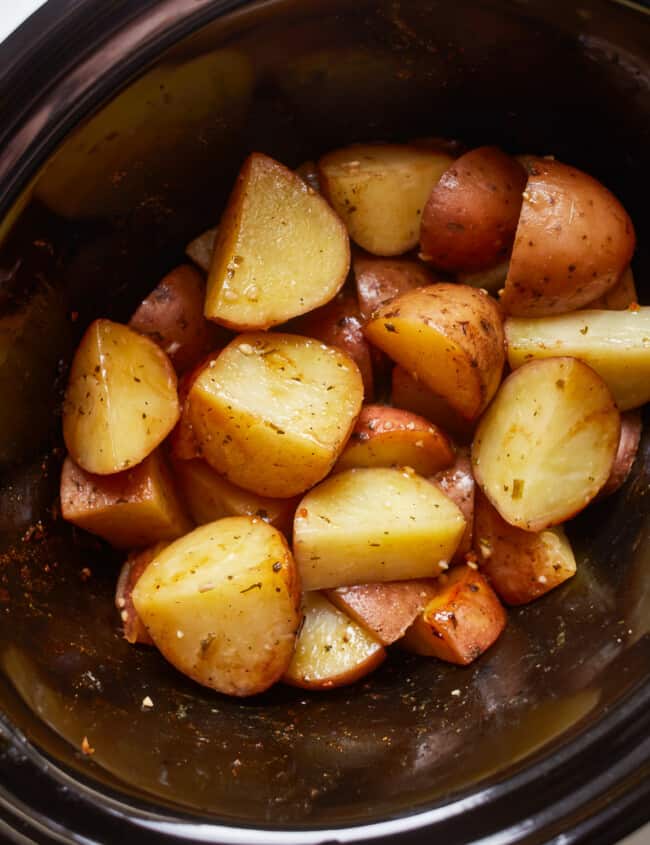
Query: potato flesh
column 331, row 649
column 273, row 412
column 546, row 445
column 121, row 399
column 280, row 251
column 616, row 344
column 380, row 190
column 370, row 525
column 221, row 604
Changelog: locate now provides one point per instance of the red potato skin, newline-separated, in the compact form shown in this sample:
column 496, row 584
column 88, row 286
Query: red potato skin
column 380, row 280
column 458, row 483
column 182, row 443
column 628, row 446
column 414, row 396
column 620, row 297
column 574, row 241
column 132, row 569
column 470, row 218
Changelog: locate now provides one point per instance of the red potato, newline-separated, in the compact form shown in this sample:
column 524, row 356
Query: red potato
column 628, row 446
column 620, row 297
column 380, row 280
column 411, row 394
column 182, row 442
column 133, row 508
column 386, row 437
column 457, row 482
column 172, row 316
column 573, row 242
column 471, row 216
column 385, row 610
column 461, row 622
column 520, row 565
column 308, row 172
column 132, row 569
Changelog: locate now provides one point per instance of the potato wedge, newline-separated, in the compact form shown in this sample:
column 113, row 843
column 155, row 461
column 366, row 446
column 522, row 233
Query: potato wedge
column 546, row 445
column 200, row 250
column 172, row 316
column 222, row 604
column 388, row 437
column 385, row 610
column 133, row 508
column 411, row 394
column 121, row 399
column 457, row 482
column 368, row 525
column 379, row 191
column 331, row 649
column 620, row 297
column 380, row 280
column 182, row 442
column 628, row 446
column 208, row 497
column 520, row 565
column 132, row 569
column 280, row 252
column 450, row 337
column 273, row 412
column 616, row 344
column 491, row 280
column 573, row 242
column 471, row 215
column 459, row 623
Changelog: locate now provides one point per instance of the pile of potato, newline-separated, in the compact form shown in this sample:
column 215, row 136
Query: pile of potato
column 360, row 471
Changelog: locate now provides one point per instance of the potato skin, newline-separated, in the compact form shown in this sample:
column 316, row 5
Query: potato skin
column 470, row 218
column 412, row 395
column 628, row 446
column 380, row 280
column 619, row 297
column 573, row 242
column 457, row 482
column 132, row 569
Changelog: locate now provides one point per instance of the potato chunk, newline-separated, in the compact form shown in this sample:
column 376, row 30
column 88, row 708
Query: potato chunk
column 121, row 399
column 367, row 525
column 331, row 650
column 461, row 622
column 546, row 445
column 133, row 508
column 208, row 496
column 450, row 337
column 616, row 344
column 273, row 412
column 628, row 446
column 132, row 569
column 201, row 248
column 520, row 565
column 457, row 482
column 380, row 190
column 280, row 252
column 380, row 280
column 222, row 604
column 387, row 437
column 618, row 298
column 411, row 394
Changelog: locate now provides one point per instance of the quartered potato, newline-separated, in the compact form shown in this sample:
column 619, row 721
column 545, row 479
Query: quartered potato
column 620, row 297
column 130, row 509
column 574, row 241
column 616, row 344
column 182, row 443
column 273, row 412
column 413, row 395
column 457, row 482
column 520, row 565
column 546, row 445
column 450, row 337
column 222, row 605
column 121, row 399
column 280, row 251
column 379, row 191
column 388, row 437
column 367, row 525
column 628, row 446
column 201, row 248
column 471, row 216
column 331, row 649
column 132, row 569
column 461, row 622
column 380, row 280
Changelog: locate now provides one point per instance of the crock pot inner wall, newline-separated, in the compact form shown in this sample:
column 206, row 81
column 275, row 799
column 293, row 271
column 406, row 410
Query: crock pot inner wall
column 112, row 214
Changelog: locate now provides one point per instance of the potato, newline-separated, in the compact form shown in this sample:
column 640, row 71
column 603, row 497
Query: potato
column 201, row 248
column 222, row 604
column 411, row 394
column 546, row 445
column 628, row 446
column 386, row 437
column 308, row 172
column 471, row 215
column 280, row 252
column 573, row 242
column 121, row 399
column 172, row 316
column 379, row 191
column 461, row 622
column 616, row 344
column 182, row 443
column 380, row 280
column 620, row 297
column 331, row 650
column 208, row 496
column 132, row 569
column 339, row 324
column 385, row 610
column 133, row 508
column 491, row 280
column 457, row 482
column 273, row 412
column 367, row 525
column 450, row 337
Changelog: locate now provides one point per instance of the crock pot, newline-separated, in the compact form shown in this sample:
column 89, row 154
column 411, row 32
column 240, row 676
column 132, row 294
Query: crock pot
column 547, row 737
